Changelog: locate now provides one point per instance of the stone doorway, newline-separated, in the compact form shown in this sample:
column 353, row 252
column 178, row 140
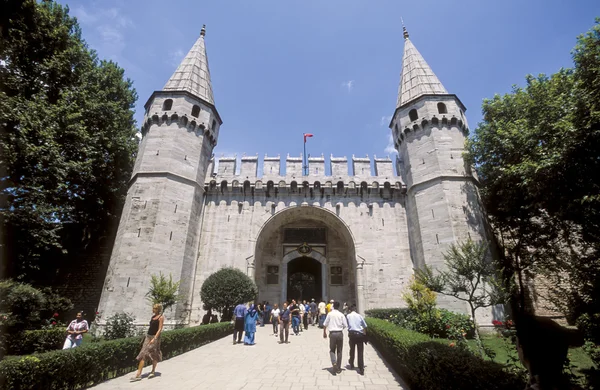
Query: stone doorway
column 304, row 279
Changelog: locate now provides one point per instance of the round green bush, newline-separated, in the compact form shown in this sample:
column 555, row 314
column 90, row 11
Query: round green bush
column 225, row 289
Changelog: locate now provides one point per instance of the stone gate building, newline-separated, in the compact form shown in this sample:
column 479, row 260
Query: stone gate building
column 353, row 238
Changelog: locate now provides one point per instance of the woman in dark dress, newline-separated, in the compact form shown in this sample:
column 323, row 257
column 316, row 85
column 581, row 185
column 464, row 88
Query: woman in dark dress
column 151, row 347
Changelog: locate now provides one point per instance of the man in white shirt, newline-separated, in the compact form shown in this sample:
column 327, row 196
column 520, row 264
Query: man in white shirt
column 357, row 334
column 302, row 312
column 322, row 313
column 335, row 322
column 275, row 319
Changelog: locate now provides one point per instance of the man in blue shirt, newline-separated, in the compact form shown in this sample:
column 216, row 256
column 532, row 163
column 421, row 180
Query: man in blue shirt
column 357, row 334
column 239, row 314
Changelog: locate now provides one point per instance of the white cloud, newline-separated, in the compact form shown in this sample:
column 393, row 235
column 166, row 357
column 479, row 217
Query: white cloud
column 385, row 120
column 83, row 17
column 389, row 149
column 110, row 26
column 348, row 84
column 175, row 57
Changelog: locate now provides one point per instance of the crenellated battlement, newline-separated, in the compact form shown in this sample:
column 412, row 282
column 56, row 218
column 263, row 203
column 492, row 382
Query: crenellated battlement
column 363, row 173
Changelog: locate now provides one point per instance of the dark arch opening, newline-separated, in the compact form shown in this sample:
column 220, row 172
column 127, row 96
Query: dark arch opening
column 294, row 186
column 304, row 279
column 196, row 111
column 413, row 115
column 167, row 104
column 442, row 108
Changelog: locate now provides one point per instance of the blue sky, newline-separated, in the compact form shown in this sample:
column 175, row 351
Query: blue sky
column 331, row 67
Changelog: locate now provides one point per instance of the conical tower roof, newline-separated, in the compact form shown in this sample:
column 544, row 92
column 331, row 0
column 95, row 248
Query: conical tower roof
column 193, row 75
column 417, row 78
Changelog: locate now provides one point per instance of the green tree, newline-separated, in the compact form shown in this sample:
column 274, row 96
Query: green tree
column 470, row 276
column 163, row 291
column 226, row 288
column 67, row 135
column 536, row 153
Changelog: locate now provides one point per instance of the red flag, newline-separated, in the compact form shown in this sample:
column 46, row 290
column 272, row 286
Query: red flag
column 307, row 135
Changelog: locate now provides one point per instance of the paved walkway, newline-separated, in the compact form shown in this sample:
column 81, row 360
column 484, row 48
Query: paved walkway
column 301, row 364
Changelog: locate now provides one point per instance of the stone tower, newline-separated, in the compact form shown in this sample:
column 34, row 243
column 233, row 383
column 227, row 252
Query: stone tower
column 159, row 229
column 429, row 130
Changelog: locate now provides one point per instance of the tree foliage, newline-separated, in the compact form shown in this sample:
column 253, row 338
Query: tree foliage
column 67, row 135
column 226, row 288
column 22, row 307
column 536, row 153
column 470, row 276
column 163, row 291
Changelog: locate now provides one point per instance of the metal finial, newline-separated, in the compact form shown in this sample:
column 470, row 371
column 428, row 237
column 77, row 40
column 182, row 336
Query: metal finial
column 203, row 31
column 405, row 32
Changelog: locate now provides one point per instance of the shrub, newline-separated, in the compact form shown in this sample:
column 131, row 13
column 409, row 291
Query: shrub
column 443, row 323
column 23, row 306
column 163, row 291
column 95, row 362
column 226, row 288
column 429, row 364
column 30, row 341
column 119, row 326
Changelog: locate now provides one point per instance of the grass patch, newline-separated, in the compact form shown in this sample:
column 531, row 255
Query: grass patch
column 507, row 353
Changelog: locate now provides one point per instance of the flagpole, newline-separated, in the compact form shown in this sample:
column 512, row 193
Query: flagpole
column 305, row 158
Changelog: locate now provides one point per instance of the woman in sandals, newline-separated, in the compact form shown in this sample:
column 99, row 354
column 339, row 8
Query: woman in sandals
column 151, row 347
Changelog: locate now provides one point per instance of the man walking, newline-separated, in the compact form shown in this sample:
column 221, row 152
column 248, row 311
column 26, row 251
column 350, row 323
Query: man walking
column 357, row 334
column 284, row 323
column 313, row 312
column 302, row 308
column 295, row 311
column 275, row 319
column 239, row 314
column 335, row 322
column 322, row 313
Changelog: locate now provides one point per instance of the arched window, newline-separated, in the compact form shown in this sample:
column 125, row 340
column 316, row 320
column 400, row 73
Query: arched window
column 294, row 186
column 442, row 108
column 195, row 111
column 214, row 124
column 340, row 186
column 167, row 104
column 413, row 115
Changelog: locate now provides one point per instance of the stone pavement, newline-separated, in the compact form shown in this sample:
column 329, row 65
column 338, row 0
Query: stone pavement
column 302, row 364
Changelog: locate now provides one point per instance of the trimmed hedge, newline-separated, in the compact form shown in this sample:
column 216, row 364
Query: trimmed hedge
column 31, row 341
column 443, row 324
column 429, row 364
column 93, row 363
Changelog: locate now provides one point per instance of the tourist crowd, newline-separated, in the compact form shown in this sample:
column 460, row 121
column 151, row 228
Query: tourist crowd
column 300, row 315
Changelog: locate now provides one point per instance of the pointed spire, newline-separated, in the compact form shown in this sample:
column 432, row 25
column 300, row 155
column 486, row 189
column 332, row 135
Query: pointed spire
column 193, row 75
column 417, row 78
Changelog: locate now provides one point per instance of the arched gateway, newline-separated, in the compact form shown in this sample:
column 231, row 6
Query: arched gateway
column 303, row 253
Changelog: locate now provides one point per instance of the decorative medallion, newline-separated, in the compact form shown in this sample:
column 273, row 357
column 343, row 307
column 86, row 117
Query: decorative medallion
column 304, row 249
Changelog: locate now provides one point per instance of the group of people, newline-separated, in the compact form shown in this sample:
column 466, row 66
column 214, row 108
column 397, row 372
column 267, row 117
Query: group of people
column 150, row 345
column 245, row 317
column 300, row 315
